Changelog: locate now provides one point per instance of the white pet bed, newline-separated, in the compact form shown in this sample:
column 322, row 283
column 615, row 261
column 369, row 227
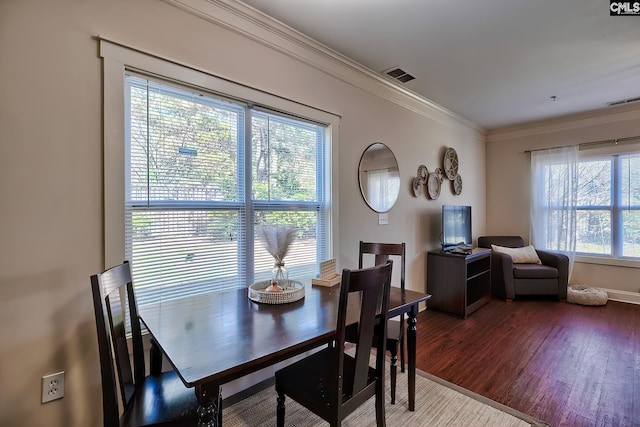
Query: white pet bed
column 585, row 295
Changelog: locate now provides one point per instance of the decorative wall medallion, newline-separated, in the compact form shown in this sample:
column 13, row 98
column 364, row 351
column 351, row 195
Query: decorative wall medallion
column 420, row 180
column 451, row 163
column 457, row 185
column 423, row 172
column 433, row 186
column 433, row 180
column 416, row 185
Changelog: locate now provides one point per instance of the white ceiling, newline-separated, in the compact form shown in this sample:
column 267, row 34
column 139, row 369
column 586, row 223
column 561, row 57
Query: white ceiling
column 496, row 63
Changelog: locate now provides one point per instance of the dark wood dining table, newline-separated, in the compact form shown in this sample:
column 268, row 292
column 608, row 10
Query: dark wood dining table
column 215, row 338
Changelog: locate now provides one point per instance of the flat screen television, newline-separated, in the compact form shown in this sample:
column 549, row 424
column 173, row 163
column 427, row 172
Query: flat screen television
column 456, row 227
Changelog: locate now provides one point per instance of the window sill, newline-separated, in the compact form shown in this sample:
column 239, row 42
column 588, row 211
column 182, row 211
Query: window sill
column 616, row 262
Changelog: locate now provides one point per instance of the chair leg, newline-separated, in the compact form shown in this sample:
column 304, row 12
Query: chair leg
column 402, row 355
column 393, row 371
column 380, row 413
column 280, row 410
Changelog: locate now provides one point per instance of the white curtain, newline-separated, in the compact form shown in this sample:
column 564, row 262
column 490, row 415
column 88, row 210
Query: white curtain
column 382, row 184
column 554, row 191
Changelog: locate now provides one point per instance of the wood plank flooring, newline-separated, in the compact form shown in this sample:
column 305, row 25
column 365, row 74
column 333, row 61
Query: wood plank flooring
column 566, row 364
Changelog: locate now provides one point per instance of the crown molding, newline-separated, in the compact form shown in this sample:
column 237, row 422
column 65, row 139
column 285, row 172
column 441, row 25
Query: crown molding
column 255, row 25
column 566, row 123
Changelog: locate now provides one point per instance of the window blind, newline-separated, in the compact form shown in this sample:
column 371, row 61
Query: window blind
column 191, row 204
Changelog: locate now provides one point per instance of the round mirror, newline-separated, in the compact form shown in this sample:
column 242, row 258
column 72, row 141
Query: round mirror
column 379, row 177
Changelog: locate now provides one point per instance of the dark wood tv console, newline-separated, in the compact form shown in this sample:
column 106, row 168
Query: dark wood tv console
column 459, row 284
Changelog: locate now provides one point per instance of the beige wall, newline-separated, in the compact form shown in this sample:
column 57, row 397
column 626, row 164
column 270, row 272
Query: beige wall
column 508, row 180
column 51, row 214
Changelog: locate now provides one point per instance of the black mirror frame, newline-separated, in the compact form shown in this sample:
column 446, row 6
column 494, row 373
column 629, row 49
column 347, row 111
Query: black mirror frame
column 363, row 192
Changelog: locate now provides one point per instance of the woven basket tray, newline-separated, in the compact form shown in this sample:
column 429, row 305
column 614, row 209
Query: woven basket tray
column 292, row 291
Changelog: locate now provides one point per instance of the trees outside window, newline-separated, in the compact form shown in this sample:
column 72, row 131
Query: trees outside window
column 608, row 208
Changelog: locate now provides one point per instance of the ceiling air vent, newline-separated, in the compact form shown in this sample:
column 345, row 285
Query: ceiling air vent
column 399, row 74
column 623, row 101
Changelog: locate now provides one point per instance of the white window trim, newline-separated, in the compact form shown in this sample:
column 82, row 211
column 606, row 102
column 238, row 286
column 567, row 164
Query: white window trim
column 117, row 58
column 605, row 260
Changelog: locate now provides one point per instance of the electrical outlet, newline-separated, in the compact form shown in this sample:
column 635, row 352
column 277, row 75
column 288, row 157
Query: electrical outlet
column 52, row 387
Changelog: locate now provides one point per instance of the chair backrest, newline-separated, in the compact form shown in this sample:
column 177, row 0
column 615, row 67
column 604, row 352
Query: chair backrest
column 382, row 252
column 115, row 310
column 506, row 241
column 369, row 283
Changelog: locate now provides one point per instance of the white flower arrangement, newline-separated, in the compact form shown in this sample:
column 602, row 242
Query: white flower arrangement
column 277, row 239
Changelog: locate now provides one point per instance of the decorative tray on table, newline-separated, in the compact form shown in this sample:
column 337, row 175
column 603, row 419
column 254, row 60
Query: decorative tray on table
column 328, row 275
column 291, row 291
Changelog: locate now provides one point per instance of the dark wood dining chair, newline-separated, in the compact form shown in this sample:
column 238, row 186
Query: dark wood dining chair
column 331, row 383
column 156, row 399
column 395, row 326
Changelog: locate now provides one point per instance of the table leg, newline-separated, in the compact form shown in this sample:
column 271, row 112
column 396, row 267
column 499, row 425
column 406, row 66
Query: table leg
column 208, row 396
column 411, row 353
column 155, row 358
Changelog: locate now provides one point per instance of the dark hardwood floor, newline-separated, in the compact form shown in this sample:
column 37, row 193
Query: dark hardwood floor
column 566, row 364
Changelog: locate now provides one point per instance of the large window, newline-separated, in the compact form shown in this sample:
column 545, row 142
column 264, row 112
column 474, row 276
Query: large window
column 202, row 172
column 608, row 206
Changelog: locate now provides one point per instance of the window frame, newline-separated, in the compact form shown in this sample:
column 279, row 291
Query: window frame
column 615, row 208
column 119, row 60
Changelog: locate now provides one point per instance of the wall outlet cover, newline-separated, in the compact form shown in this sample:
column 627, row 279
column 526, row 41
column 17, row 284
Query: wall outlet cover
column 383, row 218
column 52, row 387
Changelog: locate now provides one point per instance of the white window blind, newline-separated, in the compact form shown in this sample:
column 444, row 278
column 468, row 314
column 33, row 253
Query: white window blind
column 193, row 199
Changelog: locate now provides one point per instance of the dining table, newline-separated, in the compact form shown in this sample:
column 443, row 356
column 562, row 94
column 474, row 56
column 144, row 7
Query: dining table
column 214, row 338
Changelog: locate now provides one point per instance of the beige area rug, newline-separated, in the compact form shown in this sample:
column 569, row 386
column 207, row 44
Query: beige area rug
column 438, row 403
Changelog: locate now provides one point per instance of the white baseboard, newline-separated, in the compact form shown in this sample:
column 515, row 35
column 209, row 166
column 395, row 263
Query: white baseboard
column 623, row 296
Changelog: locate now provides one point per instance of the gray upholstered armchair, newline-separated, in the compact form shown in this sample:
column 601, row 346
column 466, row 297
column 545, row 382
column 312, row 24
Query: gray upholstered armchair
column 509, row 279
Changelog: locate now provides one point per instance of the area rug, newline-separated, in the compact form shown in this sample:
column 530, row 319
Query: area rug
column 438, row 403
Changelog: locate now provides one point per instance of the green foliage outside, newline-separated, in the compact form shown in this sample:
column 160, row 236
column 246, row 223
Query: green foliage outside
column 191, row 147
column 598, row 222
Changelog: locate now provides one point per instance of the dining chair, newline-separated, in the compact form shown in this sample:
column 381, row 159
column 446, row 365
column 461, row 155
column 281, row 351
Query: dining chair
column 395, row 326
column 331, row 383
column 147, row 400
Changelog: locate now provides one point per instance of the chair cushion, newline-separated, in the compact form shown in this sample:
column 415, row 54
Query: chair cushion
column 534, row 271
column 524, row 255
